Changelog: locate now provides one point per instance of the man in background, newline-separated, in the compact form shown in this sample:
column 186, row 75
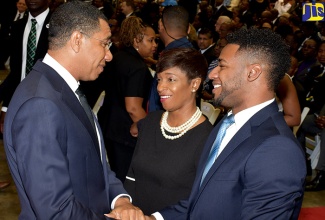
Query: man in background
column 5, row 30
column 22, row 57
column 173, row 28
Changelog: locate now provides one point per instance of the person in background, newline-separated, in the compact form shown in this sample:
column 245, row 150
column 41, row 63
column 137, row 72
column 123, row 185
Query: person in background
column 315, row 124
column 21, row 60
column 170, row 143
column 53, row 142
column 283, row 6
column 206, row 44
column 173, row 28
column 127, row 93
column 207, row 83
column 251, row 162
column 5, row 30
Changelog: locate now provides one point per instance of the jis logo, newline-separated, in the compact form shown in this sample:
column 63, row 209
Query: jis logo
column 313, row 12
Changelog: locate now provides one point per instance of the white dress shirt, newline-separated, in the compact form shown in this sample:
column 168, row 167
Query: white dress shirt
column 240, row 119
column 40, row 21
column 74, row 84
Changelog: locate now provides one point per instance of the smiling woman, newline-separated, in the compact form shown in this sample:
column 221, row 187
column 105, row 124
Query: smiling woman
column 170, row 143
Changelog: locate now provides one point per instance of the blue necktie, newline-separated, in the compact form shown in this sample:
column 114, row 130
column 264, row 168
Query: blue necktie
column 215, row 147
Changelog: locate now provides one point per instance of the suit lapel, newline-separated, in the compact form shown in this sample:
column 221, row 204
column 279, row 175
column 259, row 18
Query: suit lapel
column 243, row 134
column 69, row 98
column 42, row 44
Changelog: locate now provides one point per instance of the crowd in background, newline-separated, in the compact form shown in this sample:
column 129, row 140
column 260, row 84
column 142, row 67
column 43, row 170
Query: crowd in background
column 209, row 23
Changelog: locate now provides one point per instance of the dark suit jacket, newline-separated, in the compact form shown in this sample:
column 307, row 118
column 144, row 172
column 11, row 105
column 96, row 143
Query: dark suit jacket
column 13, row 79
column 209, row 54
column 223, row 11
column 259, row 175
column 51, row 150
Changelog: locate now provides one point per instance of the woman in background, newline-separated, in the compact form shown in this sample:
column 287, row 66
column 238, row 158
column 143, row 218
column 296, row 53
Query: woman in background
column 127, row 93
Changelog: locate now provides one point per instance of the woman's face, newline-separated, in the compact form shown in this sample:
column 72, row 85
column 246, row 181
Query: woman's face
column 176, row 91
column 147, row 47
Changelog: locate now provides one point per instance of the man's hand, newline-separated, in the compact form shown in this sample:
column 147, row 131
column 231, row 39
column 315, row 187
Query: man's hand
column 320, row 122
column 125, row 210
column 2, row 120
column 134, row 129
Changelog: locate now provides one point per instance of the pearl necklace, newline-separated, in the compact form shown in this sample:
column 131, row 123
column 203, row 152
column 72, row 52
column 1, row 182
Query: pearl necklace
column 182, row 129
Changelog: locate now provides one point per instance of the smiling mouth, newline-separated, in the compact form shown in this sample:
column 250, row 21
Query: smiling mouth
column 165, row 96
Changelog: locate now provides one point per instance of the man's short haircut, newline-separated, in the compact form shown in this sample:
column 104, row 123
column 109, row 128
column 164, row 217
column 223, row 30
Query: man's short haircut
column 188, row 60
column 175, row 18
column 206, row 31
column 129, row 3
column 264, row 47
column 73, row 16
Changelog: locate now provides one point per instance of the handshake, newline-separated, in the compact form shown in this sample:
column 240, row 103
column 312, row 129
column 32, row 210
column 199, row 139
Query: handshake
column 125, row 210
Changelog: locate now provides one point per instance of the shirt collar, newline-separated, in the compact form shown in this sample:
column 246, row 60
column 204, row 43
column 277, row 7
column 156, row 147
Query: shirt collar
column 243, row 116
column 64, row 73
column 39, row 18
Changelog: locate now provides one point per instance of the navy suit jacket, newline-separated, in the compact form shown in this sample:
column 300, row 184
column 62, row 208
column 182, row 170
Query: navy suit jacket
column 51, row 150
column 11, row 82
column 259, row 175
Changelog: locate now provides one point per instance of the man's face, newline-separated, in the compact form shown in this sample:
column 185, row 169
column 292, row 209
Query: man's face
column 219, row 46
column 21, row 6
column 36, row 7
column 218, row 3
column 223, row 30
column 229, row 78
column 309, row 49
column 125, row 8
column 204, row 41
column 94, row 54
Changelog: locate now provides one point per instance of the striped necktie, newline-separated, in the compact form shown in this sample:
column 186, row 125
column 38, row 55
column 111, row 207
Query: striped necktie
column 31, row 47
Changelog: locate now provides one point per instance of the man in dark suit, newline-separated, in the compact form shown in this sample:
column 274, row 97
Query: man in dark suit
column 257, row 171
column 206, row 44
column 5, row 29
column 38, row 10
column 55, row 149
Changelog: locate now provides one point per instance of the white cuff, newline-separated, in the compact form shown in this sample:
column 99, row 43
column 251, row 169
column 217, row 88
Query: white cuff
column 158, row 216
column 116, row 198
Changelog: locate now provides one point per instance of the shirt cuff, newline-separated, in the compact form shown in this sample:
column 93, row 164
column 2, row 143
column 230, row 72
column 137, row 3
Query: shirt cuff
column 4, row 109
column 158, row 216
column 116, row 198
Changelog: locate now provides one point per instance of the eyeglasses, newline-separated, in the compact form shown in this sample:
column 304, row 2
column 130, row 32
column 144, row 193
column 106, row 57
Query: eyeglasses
column 107, row 44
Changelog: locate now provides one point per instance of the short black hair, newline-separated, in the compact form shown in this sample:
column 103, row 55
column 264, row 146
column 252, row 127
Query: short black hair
column 175, row 18
column 73, row 16
column 206, row 31
column 265, row 47
column 188, row 60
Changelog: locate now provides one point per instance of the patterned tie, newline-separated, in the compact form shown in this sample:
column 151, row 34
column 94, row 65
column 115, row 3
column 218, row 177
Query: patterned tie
column 31, row 47
column 215, row 147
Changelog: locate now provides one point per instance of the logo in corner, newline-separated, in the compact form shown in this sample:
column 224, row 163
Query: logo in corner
column 313, row 12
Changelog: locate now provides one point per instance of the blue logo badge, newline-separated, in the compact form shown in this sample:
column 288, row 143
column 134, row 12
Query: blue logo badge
column 313, row 12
